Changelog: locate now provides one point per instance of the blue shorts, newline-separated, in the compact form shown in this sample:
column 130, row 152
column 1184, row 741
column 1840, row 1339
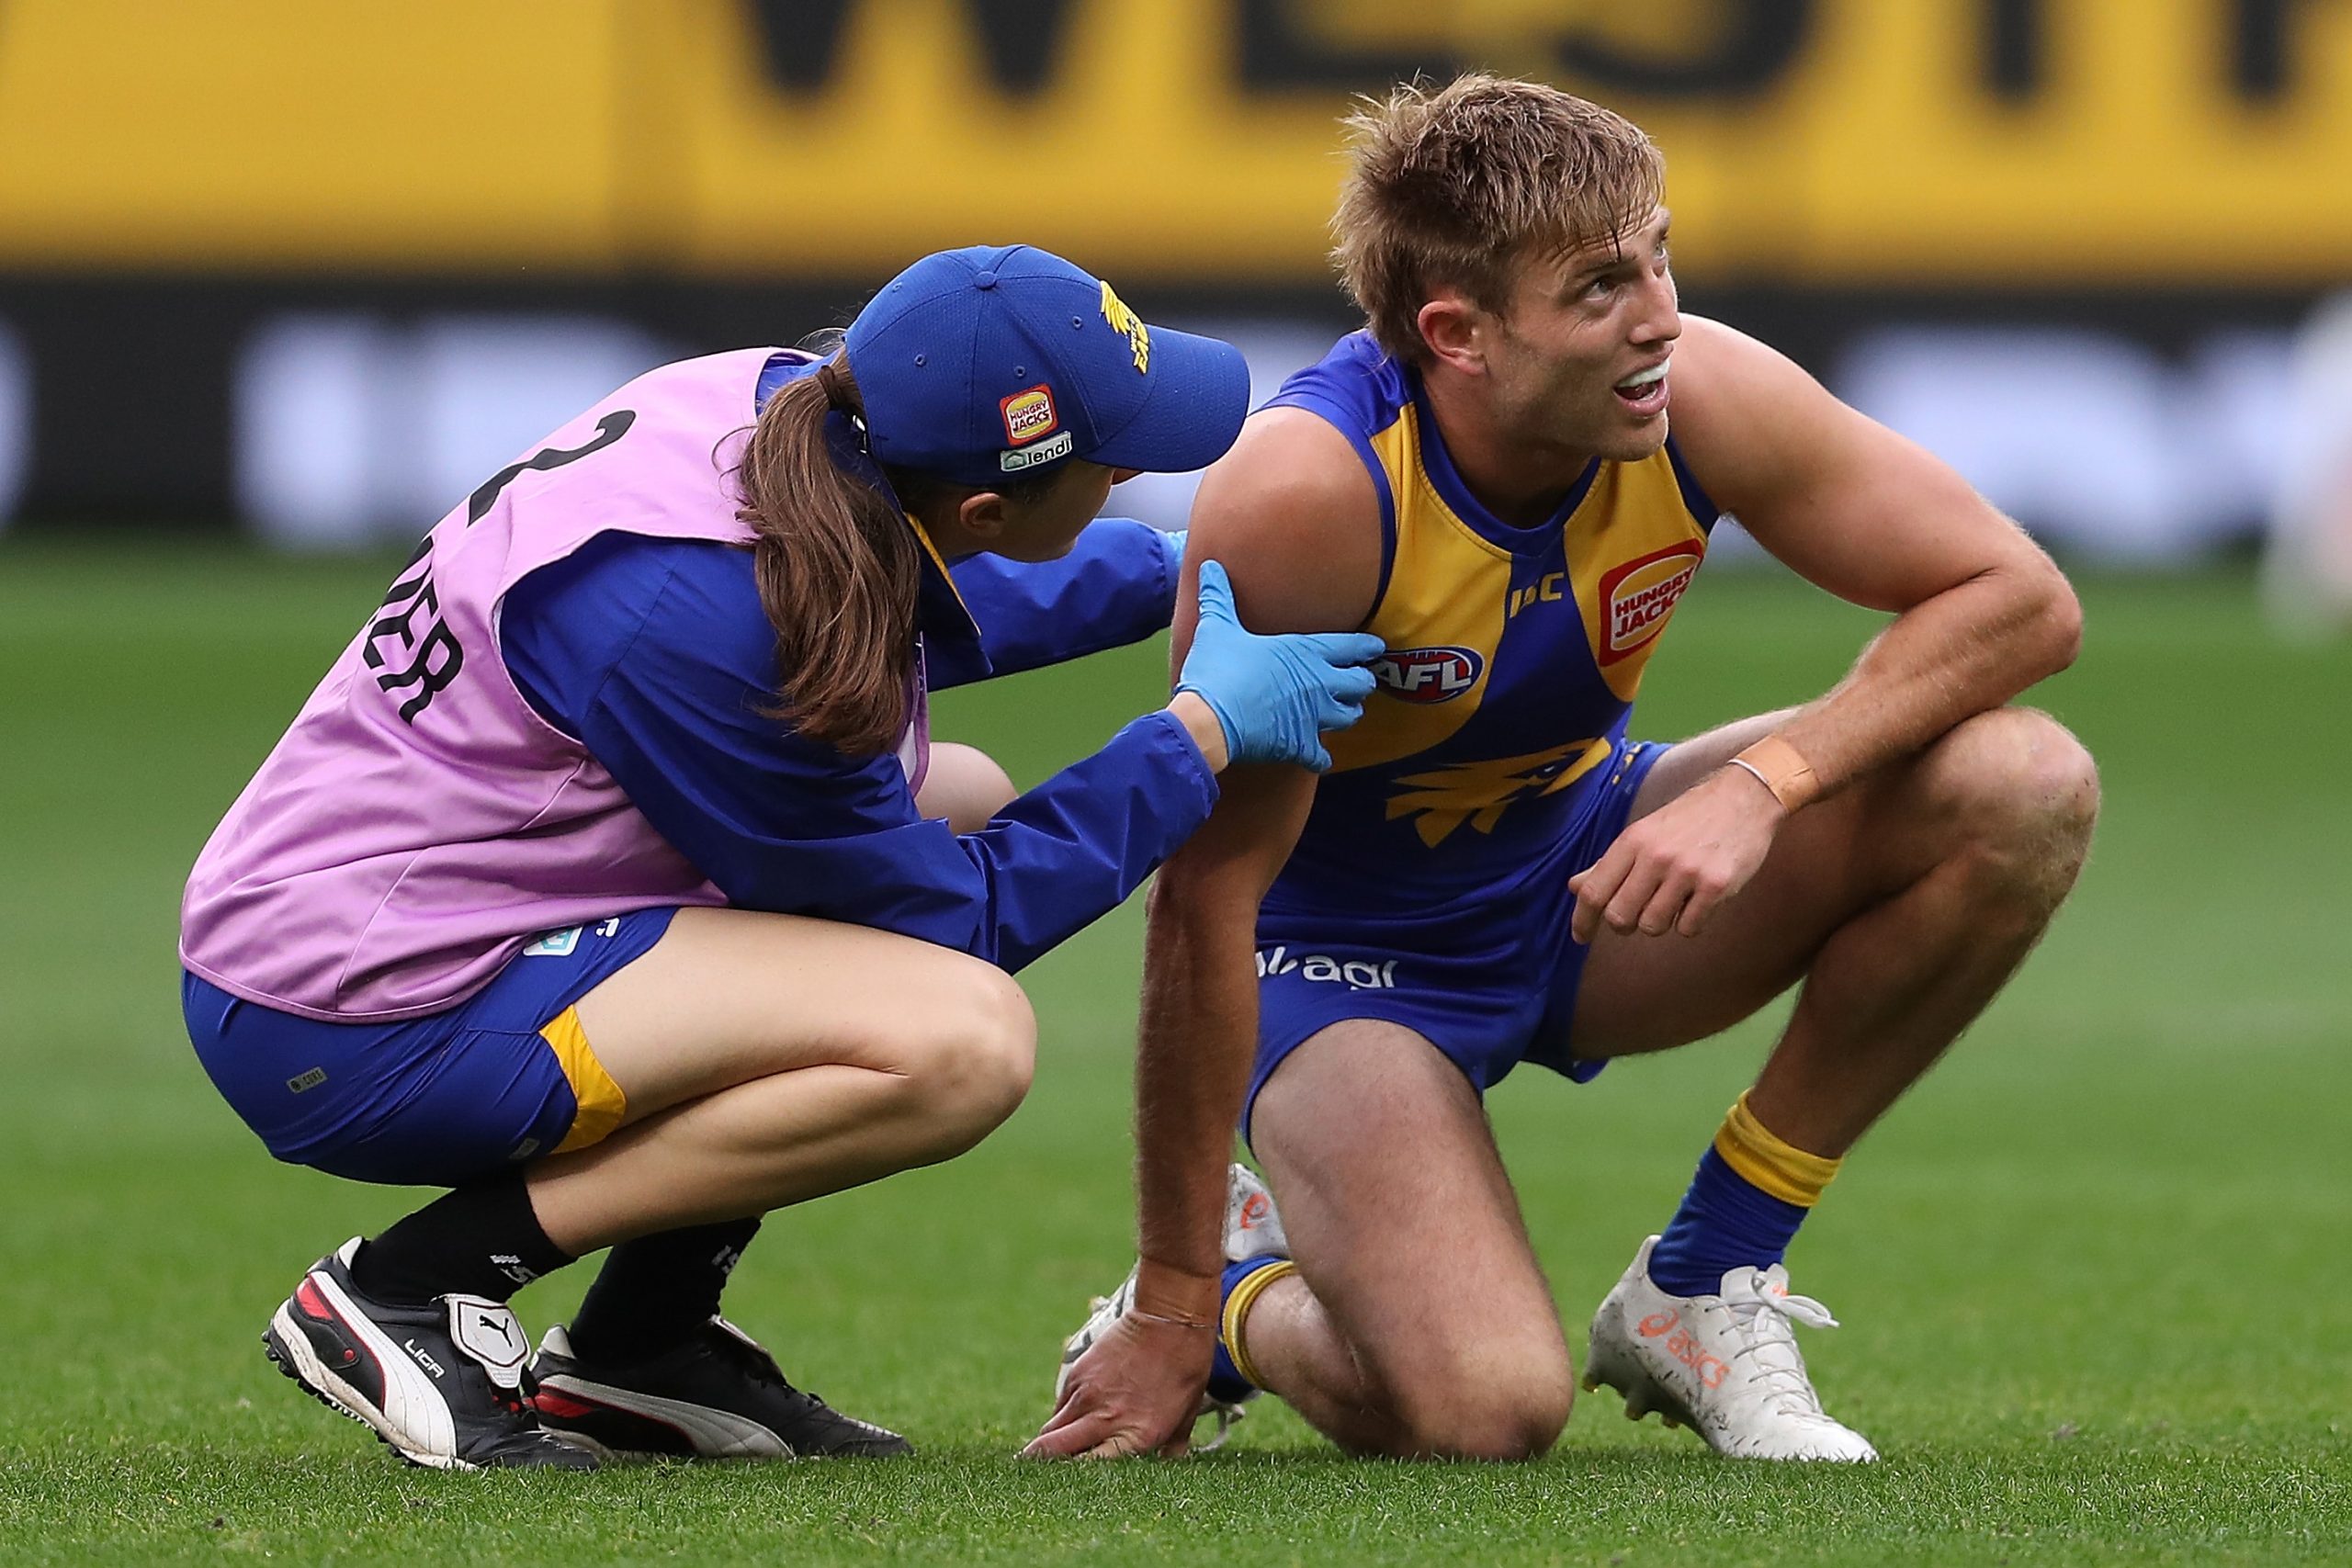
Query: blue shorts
column 1489, row 977
column 502, row 1077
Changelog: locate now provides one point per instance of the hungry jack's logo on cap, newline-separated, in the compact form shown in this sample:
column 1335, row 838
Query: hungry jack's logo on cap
column 1028, row 415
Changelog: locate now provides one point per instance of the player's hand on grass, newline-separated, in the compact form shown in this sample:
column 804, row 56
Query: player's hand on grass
column 1671, row 870
column 1273, row 696
column 1135, row 1391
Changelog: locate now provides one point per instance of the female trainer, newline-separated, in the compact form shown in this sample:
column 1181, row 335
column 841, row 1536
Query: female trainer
column 605, row 879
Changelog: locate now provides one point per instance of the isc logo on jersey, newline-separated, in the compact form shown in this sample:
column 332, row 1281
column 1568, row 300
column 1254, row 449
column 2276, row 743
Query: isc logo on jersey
column 1636, row 597
column 1426, row 674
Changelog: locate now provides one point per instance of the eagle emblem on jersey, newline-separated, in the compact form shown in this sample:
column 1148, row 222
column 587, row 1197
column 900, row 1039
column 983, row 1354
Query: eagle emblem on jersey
column 1479, row 793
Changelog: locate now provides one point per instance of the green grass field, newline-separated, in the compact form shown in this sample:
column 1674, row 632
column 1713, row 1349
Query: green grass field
column 2088, row 1274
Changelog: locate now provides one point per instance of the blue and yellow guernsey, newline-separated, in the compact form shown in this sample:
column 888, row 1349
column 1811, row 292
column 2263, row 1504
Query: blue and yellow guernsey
column 1513, row 656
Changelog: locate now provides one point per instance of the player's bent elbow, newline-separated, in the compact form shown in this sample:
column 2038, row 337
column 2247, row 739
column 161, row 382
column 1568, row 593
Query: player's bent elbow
column 2051, row 626
column 2063, row 623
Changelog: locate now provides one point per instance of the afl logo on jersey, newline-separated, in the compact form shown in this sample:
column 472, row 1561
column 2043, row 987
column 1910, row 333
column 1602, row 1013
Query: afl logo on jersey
column 1426, row 674
column 1636, row 597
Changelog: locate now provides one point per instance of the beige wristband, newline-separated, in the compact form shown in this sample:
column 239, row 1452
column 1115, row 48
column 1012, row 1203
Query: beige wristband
column 1781, row 769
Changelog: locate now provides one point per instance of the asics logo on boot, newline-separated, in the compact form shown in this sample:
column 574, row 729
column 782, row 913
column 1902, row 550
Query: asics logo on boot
column 422, row 1357
column 1685, row 1348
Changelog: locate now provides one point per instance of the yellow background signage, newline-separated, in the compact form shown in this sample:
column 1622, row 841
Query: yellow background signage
column 1939, row 142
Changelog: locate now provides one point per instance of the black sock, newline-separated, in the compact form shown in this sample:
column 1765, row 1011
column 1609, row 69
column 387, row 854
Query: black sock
column 654, row 1293
column 482, row 1240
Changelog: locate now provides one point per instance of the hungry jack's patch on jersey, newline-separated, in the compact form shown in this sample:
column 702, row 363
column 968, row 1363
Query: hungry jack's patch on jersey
column 1639, row 595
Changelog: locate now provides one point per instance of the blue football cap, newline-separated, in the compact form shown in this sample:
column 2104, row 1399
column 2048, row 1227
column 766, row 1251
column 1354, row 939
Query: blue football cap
column 991, row 363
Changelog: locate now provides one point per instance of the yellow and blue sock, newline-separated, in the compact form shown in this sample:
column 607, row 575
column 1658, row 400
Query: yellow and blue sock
column 1232, row 1377
column 1752, row 1191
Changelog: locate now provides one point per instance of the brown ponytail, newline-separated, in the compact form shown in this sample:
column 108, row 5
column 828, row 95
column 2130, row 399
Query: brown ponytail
column 838, row 567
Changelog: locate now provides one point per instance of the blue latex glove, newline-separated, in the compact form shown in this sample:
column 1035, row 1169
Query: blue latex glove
column 1273, row 696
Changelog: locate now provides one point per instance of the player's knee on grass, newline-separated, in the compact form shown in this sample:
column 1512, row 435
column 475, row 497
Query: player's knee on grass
column 1477, row 1400
column 2025, row 796
column 972, row 1069
column 1509, row 1414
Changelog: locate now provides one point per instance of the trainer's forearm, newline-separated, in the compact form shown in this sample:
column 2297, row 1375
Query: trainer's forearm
column 1963, row 652
column 1193, row 1054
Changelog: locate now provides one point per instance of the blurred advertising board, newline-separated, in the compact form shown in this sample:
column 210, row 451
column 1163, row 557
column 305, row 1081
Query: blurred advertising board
column 2065, row 241
column 2017, row 141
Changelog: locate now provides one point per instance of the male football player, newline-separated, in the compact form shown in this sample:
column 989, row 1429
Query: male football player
column 1492, row 871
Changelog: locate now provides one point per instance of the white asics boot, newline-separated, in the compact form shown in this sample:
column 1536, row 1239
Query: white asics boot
column 1727, row 1366
column 1252, row 1229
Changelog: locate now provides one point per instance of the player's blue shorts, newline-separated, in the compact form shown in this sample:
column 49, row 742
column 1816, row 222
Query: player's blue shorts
column 502, row 1077
column 1489, row 977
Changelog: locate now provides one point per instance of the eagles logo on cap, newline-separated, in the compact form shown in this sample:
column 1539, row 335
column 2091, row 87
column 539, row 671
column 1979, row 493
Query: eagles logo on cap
column 1129, row 324
column 1028, row 415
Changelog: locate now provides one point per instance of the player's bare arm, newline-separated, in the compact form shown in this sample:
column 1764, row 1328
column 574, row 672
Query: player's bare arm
column 1981, row 615
column 1292, row 515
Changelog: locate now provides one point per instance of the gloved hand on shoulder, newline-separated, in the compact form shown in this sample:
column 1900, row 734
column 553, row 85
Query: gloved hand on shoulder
column 1274, row 696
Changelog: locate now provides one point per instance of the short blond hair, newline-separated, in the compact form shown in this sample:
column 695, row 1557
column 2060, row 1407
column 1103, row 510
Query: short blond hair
column 1451, row 185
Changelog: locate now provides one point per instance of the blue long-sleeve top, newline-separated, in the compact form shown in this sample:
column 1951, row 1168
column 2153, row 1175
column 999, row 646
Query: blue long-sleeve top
column 657, row 656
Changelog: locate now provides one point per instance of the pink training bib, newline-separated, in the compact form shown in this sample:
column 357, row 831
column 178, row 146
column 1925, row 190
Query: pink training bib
column 419, row 823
